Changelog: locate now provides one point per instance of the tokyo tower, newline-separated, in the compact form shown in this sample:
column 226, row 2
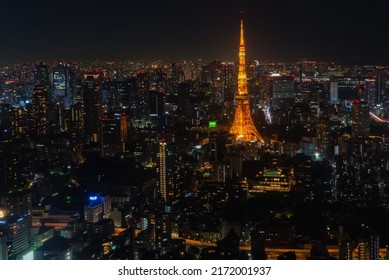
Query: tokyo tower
column 243, row 127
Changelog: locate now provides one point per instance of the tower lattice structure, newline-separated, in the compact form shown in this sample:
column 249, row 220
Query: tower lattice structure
column 243, row 127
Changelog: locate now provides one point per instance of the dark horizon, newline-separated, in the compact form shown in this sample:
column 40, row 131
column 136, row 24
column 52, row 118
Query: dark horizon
column 288, row 29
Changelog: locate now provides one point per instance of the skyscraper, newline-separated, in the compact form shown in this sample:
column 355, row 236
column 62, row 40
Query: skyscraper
column 360, row 119
column 371, row 93
column 333, row 92
column 59, row 80
column 92, row 97
column 156, row 105
column 25, row 73
column 15, row 222
column 243, row 127
column 323, row 136
column 40, row 110
column 175, row 76
column 162, row 168
column 17, row 231
column 19, row 122
column 123, row 130
column 282, row 91
column 374, row 246
column 62, row 85
column 363, row 249
column 41, row 74
column 9, row 178
column 3, row 247
column 109, row 137
column 75, row 126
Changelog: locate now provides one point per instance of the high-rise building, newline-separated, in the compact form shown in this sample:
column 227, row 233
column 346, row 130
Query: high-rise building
column 130, row 91
column 123, row 130
column 15, row 222
column 206, row 74
column 162, row 171
column 111, row 95
column 159, row 80
column 105, row 200
column 62, row 85
column 122, row 91
column 183, row 96
column 140, row 100
column 348, row 88
column 41, row 74
column 156, row 105
column 5, row 122
column 228, row 81
column 99, row 207
column 18, row 237
column 19, row 122
column 243, row 127
column 9, row 173
column 363, row 250
column 282, row 91
column 40, row 110
column 346, row 249
column 18, row 203
column 25, row 73
column 333, row 92
column 169, row 173
column 162, row 228
column 75, row 126
column 360, row 119
column 59, row 78
column 374, row 246
column 110, row 137
column 3, row 246
column 92, row 97
column 381, row 80
column 371, row 93
column 93, row 212
column 176, row 76
column 323, row 137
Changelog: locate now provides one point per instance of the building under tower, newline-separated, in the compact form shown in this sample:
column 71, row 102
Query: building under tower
column 243, row 127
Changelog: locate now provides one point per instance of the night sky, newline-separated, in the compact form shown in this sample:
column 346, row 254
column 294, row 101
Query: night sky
column 173, row 30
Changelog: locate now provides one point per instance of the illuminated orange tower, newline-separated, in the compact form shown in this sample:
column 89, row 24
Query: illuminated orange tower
column 243, row 127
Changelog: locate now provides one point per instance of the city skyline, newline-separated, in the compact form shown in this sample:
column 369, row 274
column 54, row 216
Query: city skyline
column 192, row 159
column 288, row 29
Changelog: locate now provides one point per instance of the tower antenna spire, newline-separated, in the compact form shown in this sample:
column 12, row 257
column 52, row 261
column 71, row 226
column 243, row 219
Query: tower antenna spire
column 241, row 29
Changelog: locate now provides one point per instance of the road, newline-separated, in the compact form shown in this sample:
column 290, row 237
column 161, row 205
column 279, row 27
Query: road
column 273, row 253
column 378, row 119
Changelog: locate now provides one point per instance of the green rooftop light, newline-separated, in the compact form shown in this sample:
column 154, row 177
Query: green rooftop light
column 212, row 124
column 272, row 174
